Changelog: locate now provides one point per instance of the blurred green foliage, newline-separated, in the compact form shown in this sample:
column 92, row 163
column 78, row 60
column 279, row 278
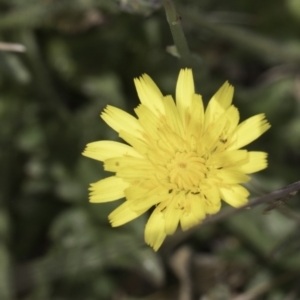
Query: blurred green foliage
column 82, row 55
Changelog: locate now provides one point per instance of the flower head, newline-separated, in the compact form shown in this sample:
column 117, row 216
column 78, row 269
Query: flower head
column 179, row 158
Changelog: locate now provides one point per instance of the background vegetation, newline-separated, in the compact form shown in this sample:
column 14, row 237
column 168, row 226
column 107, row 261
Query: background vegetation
column 82, row 55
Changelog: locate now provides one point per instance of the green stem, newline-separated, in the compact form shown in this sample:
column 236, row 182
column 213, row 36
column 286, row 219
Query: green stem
column 174, row 21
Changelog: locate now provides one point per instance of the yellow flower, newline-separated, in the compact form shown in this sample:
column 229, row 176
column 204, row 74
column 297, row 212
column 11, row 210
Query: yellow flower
column 180, row 159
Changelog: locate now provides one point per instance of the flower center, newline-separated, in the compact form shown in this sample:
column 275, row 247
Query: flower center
column 187, row 170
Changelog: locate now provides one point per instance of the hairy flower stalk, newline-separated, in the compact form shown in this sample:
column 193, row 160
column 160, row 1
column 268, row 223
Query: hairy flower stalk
column 179, row 158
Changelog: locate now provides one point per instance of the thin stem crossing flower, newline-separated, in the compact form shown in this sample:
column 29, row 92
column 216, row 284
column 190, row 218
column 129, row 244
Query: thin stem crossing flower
column 180, row 158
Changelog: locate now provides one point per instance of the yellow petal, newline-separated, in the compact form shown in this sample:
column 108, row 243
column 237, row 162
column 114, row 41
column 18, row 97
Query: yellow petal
column 116, row 164
column 172, row 215
column 257, row 161
column 212, row 200
column 235, row 196
column 184, row 91
column 250, row 130
column 149, row 94
column 232, row 176
column 135, row 175
column 233, row 118
column 188, row 220
column 211, row 136
column 172, row 115
column 148, row 121
column 155, row 229
column 169, row 143
column 196, row 213
column 219, row 103
column 119, row 120
column 138, row 144
column 230, row 158
column 130, row 167
column 108, row 189
column 135, row 192
column 196, row 112
column 151, row 198
column 103, row 150
column 124, row 214
column 197, row 206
